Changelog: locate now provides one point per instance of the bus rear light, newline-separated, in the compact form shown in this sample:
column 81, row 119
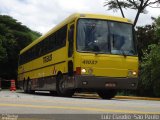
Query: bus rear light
column 78, row 70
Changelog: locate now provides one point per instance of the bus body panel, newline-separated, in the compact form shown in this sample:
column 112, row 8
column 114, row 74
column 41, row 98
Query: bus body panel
column 104, row 83
column 101, row 69
column 106, row 65
column 44, row 69
column 113, row 69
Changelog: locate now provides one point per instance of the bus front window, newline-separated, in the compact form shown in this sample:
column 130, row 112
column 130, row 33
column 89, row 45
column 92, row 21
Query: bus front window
column 102, row 36
column 121, row 38
column 92, row 36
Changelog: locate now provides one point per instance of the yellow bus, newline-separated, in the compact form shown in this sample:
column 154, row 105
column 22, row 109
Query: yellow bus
column 85, row 52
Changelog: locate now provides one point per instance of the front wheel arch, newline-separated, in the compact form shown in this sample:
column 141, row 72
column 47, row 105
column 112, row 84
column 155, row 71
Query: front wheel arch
column 59, row 86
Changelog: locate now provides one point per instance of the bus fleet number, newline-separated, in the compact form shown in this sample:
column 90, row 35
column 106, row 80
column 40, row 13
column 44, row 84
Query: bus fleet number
column 89, row 62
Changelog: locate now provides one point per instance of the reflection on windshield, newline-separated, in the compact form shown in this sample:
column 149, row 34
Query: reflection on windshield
column 92, row 36
column 101, row 36
column 121, row 38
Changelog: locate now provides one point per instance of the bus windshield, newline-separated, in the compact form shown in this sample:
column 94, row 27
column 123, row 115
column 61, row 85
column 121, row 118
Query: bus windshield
column 108, row 37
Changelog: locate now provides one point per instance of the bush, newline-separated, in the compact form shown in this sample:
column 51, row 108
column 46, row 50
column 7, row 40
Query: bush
column 150, row 72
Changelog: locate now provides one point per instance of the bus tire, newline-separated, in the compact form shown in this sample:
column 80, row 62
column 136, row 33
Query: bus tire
column 107, row 94
column 61, row 91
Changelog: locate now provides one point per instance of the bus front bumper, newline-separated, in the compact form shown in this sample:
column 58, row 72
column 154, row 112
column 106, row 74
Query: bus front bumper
column 92, row 82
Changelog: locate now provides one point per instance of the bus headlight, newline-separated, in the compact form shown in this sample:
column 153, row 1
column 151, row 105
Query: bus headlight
column 87, row 71
column 83, row 70
column 132, row 73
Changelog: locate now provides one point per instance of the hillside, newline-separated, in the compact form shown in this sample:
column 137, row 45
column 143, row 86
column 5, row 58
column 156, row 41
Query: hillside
column 13, row 37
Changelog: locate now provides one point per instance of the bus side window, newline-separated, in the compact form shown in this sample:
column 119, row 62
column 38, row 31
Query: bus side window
column 70, row 39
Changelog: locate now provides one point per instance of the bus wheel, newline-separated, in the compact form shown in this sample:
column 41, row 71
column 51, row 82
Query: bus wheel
column 61, row 90
column 25, row 86
column 107, row 94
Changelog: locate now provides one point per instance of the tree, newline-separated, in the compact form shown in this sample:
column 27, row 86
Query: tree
column 3, row 53
column 146, row 36
column 157, row 28
column 138, row 5
column 149, row 84
column 13, row 37
column 150, row 69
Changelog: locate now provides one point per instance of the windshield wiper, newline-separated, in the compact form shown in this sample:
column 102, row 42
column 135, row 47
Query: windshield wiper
column 123, row 53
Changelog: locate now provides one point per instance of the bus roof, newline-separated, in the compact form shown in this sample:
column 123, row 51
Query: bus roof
column 72, row 18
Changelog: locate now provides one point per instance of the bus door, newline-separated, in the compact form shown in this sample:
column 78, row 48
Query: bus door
column 70, row 39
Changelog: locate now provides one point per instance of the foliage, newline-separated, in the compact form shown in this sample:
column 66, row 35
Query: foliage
column 138, row 5
column 149, row 83
column 3, row 53
column 150, row 69
column 146, row 36
column 157, row 28
column 13, row 37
